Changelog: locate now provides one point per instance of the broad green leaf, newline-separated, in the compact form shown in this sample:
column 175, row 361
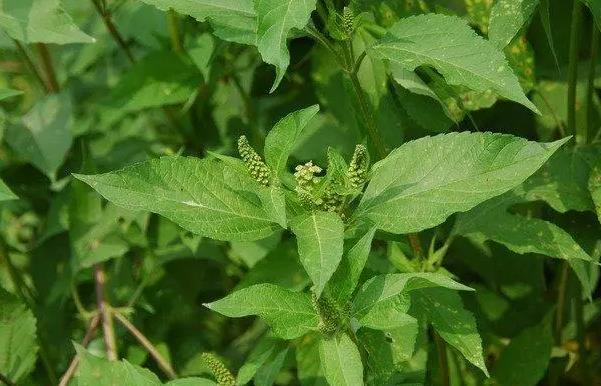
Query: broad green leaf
column 275, row 19
column 524, row 361
column 443, row 308
column 5, row 193
column 283, row 137
column 290, row 314
column 308, row 363
column 595, row 8
column 389, row 318
column 507, row 18
column 8, row 93
column 449, row 45
column 492, row 221
column 195, row 381
column 17, row 338
column 257, row 357
column 161, row 78
column 231, row 20
column 205, row 197
column 320, row 238
column 346, row 277
column 45, row 135
column 39, row 21
column 424, row 181
column 594, row 186
column 382, row 291
column 267, row 374
column 341, row 361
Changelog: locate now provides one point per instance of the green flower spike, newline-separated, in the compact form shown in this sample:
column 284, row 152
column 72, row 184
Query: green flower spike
column 221, row 373
column 357, row 171
column 257, row 168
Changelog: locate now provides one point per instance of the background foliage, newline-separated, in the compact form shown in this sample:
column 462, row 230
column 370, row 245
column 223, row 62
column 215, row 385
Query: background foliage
column 458, row 259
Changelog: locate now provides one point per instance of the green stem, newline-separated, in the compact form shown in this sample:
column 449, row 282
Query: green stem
column 590, row 90
column 173, row 20
column 48, row 68
column 443, row 360
column 561, row 299
column 580, row 335
column 110, row 26
column 573, row 70
column 30, row 65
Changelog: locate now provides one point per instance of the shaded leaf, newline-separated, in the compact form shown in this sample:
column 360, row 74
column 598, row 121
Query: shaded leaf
column 5, row 193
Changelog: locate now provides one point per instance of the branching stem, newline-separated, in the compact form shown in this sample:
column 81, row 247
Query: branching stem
column 94, row 322
column 106, row 316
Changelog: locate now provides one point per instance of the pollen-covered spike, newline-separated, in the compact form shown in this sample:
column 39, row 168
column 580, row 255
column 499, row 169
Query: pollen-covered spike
column 358, row 167
column 221, row 373
column 254, row 163
column 348, row 21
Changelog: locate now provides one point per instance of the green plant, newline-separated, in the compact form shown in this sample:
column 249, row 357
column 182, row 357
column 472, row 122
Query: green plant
column 413, row 199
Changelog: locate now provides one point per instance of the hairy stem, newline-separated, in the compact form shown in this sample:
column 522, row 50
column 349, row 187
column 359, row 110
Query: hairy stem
column 106, row 316
column 48, row 68
column 573, row 70
column 161, row 361
column 94, row 322
column 590, row 90
column 30, row 65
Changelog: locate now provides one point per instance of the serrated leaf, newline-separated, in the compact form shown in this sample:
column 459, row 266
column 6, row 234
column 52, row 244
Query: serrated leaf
column 206, row 197
column 341, row 361
column 17, row 338
column 449, row 45
column 45, row 136
column 507, row 18
column 275, row 19
column 8, row 93
column 283, row 137
column 382, row 291
column 231, row 20
column 290, row 314
column 424, row 181
column 320, row 238
column 345, row 279
column 5, row 193
column 443, row 308
column 40, row 21
column 524, row 361
column 492, row 221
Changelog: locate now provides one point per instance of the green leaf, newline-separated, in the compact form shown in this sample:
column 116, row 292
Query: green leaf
column 507, row 18
column 40, row 21
column 320, row 238
column 382, row 291
column 231, row 20
column 257, row 357
column 546, row 23
column 341, row 361
column 492, row 221
column 159, row 79
column 424, row 181
column 17, row 338
column 290, row 314
column 275, row 19
column 308, row 363
column 45, row 136
column 195, row 381
column 5, row 193
column 346, row 277
column 8, row 93
column 456, row 325
column 389, row 318
column 594, row 187
column 283, row 137
column 524, row 361
column 267, row 374
column 449, row 45
column 206, row 197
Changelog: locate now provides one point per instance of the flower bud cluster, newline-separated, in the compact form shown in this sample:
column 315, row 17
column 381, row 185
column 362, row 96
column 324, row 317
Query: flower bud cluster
column 257, row 168
column 221, row 373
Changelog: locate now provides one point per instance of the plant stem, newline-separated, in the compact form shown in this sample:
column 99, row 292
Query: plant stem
column 29, row 63
column 105, row 314
column 581, row 336
column 48, row 68
column 84, row 343
column 561, row 299
column 173, row 20
column 416, row 245
column 590, row 90
column 110, row 26
column 161, row 361
column 573, row 70
column 443, row 360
